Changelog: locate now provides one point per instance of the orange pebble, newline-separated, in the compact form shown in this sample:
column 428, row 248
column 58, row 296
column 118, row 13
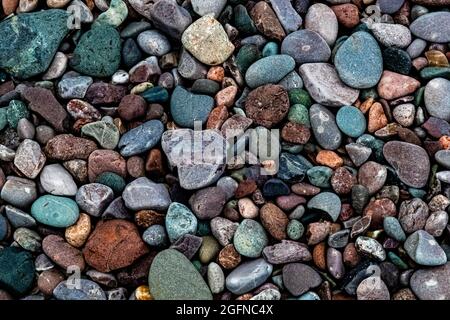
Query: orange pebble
column 330, row 159
column 216, row 74
column 377, row 118
column 226, row 96
column 444, row 141
column 217, row 117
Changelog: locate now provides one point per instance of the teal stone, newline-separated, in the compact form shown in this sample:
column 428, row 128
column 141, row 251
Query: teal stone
column 4, row 228
column 155, row 95
column 326, row 202
column 291, row 148
column 3, row 118
column 368, row 93
column 393, row 228
column 30, row 41
column 98, row 52
column 243, row 22
column 105, row 133
column 180, row 221
column 320, row 176
column 395, row 259
column 300, row 96
column 298, row 113
column 16, row 111
column 55, row 211
column 292, row 167
column 397, row 60
column 417, row 193
column 373, row 143
column 246, row 56
column 250, row 238
column 16, row 270
column 112, row 180
column 419, row 97
column 359, row 61
column 205, row 86
column 351, row 121
column 203, row 228
column 187, row 108
column 173, row 277
column 269, row 70
column 429, row 73
column 131, row 54
column 197, row 264
column 114, row 16
column 270, row 49
column 295, row 230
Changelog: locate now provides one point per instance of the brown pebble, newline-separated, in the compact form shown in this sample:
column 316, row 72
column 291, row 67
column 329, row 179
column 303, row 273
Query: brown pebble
column 346, row 212
column 351, row 257
column 342, row 181
column 320, row 255
column 245, row 188
column 377, row 118
column 394, row 85
column 347, row 14
column 305, row 189
column 267, row 22
column 106, row 161
column 274, row 221
column 378, row 209
column 154, row 164
column 136, row 167
column 105, row 93
column 267, row 105
column 147, row 218
column 372, row 175
column 289, row 202
column 48, row 280
column 77, row 234
column 229, row 258
column 62, row 253
column 216, row 73
column 217, row 117
column 68, row 147
column 131, row 107
column 226, row 97
column 295, row 133
column 330, row 159
column 317, row 232
column 114, row 244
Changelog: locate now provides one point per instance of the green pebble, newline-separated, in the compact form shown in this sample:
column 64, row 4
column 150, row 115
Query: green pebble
column 320, row 176
column 270, row 49
column 16, row 270
column 298, row 113
column 16, row 111
column 98, row 52
column 395, row 259
column 112, row 180
column 429, row 73
column 419, row 97
column 114, row 16
column 243, row 22
column 295, row 229
column 203, row 228
column 250, row 238
column 300, row 96
column 246, row 56
column 417, row 193
column 3, row 118
column 155, row 95
column 397, row 60
column 368, row 93
column 105, row 133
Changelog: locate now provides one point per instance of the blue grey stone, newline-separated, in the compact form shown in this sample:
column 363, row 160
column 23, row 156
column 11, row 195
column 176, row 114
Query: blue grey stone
column 359, row 61
column 155, row 236
column 269, row 70
column 141, row 139
column 306, row 46
column 393, row 228
column 288, row 17
column 324, row 127
column 326, row 202
column 293, row 167
column 74, row 87
column 248, row 276
column 424, row 249
column 87, row 290
column 390, row 6
column 186, row 107
column 4, row 227
column 144, row 194
column 433, row 27
column 19, row 218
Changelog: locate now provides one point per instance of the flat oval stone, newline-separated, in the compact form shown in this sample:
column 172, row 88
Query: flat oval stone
column 321, row 18
column 326, row 202
column 403, row 157
column 390, row 6
column 358, row 61
column 19, row 192
column 433, row 27
column 58, row 181
column 59, row 212
column 87, row 290
column 437, row 98
column 208, row 203
column 324, row 85
column 324, row 127
column 250, row 238
column 173, row 277
column 144, row 194
column 351, row 121
column 16, row 270
column 306, row 46
column 391, row 34
column 141, row 139
column 62, row 253
column 98, row 52
column 153, row 43
column 269, row 70
column 443, row 158
column 180, row 221
column 186, row 107
column 424, row 249
column 432, row 283
column 248, row 276
column 287, row 251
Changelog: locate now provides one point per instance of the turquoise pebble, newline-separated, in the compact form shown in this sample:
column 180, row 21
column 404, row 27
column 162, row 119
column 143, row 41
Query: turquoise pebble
column 320, row 176
column 155, row 95
column 55, row 211
column 351, row 121
column 180, row 221
column 250, row 238
column 295, row 229
column 298, row 113
column 112, row 180
column 270, row 49
column 16, row 111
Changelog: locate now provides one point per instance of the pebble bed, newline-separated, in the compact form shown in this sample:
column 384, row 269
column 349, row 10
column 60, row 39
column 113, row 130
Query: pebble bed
column 351, row 202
